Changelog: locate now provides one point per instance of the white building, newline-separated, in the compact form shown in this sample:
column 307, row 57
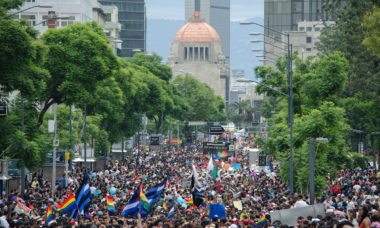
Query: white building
column 74, row 11
column 197, row 49
column 304, row 40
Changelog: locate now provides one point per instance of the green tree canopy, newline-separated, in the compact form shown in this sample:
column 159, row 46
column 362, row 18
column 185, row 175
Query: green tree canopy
column 79, row 57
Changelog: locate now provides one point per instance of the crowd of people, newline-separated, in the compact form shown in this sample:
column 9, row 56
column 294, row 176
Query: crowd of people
column 248, row 197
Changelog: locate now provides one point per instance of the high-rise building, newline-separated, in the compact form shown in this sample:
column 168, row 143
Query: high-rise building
column 217, row 14
column 285, row 16
column 132, row 17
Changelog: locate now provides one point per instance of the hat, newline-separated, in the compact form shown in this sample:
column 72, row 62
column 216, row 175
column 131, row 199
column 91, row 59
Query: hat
column 329, row 210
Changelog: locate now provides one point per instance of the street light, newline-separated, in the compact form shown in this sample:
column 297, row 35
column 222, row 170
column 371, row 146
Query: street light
column 290, row 96
column 269, row 60
column 265, row 52
column 312, row 164
column 36, row 6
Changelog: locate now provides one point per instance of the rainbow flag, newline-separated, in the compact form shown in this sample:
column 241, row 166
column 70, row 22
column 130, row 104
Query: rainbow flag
column 144, row 203
column 204, row 203
column 110, row 204
column 261, row 221
column 164, row 206
column 67, row 205
column 190, row 202
column 48, row 215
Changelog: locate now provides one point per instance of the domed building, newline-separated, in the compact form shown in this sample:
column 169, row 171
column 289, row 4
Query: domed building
column 197, row 50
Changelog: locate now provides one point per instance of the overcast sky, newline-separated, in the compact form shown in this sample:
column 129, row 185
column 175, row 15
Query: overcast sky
column 175, row 9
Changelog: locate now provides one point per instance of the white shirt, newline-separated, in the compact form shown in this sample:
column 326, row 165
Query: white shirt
column 300, row 203
column 4, row 222
column 357, row 187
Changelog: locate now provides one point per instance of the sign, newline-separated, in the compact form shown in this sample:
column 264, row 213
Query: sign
column 174, row 141
column 13, row 170
column 216, row 130
column 231, row 148
column 67, row 156
column 56, row 143
column 216, row 150
column 51, row 126
column 236, row 166
column 196, row 123
column 155, row 140
column 262, row 160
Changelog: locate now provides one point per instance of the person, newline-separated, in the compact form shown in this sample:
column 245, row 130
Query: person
column 300, row 202
column 3, row 220
column 364, row 220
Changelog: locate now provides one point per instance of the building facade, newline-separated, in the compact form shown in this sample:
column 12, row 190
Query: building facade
column 197, row 50
column 74, row 11
column 132, row 17
column 285, row 16
column 217, row 14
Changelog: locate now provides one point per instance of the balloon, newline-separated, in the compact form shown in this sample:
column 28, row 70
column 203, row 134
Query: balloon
column 112, row 191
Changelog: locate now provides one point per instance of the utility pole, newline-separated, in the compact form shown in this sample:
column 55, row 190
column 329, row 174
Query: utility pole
column 53, row 179
column 85, row 136
column 71, row 135
column 22, row 178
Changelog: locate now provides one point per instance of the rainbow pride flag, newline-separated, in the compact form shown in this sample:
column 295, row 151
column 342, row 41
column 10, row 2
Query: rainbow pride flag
column 164, row 206
column 190, row 201
column 110, row 204
column 144, row 203
column 48, row 215
column 67, row 205
column 261, row 221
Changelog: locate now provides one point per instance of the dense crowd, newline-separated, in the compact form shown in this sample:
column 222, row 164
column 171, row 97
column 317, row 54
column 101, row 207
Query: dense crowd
column 350, row 200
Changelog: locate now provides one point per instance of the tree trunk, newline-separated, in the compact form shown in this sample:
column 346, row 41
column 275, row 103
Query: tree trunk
column 43, row 111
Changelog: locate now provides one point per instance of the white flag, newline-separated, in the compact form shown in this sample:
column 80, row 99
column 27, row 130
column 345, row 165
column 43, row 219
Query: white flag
column 210, row 165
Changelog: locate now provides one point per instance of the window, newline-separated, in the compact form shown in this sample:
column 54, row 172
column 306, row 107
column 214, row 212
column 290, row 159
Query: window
column 30, row 0
column 301, row 29
column 317, row 29
column 31, row 19
column 308, row 40
column 185, row 53
column 308, row 29
column 308, row 49
column 108, row 17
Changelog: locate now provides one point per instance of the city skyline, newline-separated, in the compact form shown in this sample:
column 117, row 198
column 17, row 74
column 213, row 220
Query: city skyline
column 175, row 9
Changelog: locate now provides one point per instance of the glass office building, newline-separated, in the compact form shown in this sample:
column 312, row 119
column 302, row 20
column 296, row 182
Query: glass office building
column 132, row 17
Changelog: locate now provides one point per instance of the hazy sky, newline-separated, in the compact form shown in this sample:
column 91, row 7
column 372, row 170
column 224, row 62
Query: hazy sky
column 175, row 9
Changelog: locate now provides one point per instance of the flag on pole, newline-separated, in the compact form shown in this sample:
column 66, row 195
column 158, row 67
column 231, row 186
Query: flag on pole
column 132, row 207
column 210, row 165
column 144, row 203
column 171, row 212
column 110, row 204
column 214, row 172
column 67, row 205
column 48, row 215
column 83, row 198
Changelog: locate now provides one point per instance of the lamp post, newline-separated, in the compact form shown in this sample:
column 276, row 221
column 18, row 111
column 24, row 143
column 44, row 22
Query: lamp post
column 269, row 60
column 36, row 6
column 290, row 97
column 312, row 164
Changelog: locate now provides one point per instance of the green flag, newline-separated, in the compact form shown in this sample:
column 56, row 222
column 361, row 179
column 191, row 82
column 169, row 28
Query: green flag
column 214, row 172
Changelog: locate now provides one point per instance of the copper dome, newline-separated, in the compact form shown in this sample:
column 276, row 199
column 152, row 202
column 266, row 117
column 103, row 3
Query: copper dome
column 196, row 30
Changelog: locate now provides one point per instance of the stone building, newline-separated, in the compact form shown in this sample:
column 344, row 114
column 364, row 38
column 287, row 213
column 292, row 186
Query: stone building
column 197, row 50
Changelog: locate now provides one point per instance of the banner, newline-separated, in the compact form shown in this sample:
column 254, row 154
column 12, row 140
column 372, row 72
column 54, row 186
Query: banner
column 22, row 209
column 216, row 150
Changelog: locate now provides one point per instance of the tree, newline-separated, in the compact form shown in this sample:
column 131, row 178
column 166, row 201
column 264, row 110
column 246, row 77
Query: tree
column 204, row 105
column 152, row 62
column 20, row 58
column 371, row 26
column 317, row 86
column 79, row 57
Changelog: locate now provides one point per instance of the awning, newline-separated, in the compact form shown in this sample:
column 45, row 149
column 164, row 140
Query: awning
column 82, row 160
column 5, row 177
